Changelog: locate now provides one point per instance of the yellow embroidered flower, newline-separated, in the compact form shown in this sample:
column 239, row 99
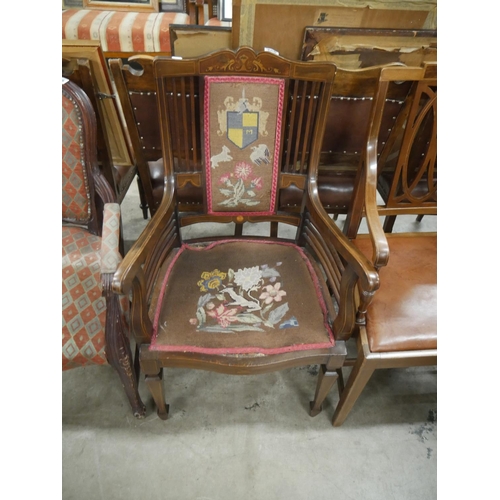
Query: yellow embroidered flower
column 211, row 281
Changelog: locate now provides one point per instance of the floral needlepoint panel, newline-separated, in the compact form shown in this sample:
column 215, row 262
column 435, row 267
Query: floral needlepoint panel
column 242, row 142
column 241, row 297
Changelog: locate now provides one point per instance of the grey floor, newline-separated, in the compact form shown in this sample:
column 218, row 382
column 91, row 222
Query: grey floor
column 249, row 437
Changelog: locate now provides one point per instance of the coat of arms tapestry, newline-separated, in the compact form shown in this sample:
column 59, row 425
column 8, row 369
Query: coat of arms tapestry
column 242, row 142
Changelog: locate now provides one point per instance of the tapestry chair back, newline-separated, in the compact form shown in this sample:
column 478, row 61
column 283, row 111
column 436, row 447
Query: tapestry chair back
column 244, row 135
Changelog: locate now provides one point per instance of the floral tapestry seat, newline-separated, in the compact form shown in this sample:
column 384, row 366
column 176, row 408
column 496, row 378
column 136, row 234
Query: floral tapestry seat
column 235, row 297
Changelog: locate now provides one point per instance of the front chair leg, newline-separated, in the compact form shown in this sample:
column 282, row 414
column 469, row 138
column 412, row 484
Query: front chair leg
column 155, row 385
column 326, row 379
column 118, row 351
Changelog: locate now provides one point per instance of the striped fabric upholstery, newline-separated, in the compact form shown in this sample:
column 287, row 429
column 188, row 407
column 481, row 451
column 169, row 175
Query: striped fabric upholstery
column 83, row 306
column 122, row 31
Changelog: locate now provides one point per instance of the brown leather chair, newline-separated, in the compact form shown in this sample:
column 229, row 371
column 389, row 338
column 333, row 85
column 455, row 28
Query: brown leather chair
column 400, row 327
column 95, row 321
column 240, row 303
column 345, row 136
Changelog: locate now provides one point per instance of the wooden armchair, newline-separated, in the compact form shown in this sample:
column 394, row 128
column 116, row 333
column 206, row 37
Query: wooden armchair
column 244, row 126
column 401, row 322
column 95, row 321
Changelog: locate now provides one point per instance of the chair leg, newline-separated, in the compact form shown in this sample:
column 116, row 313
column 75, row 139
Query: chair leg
column 155, row 385
column 326, row 379
column 389, row 223
column 118, row 351
column 142, row 197
column 419, row 218
column 358, row 378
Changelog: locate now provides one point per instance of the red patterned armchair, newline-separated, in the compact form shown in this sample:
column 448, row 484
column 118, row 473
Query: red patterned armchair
column 94, row 318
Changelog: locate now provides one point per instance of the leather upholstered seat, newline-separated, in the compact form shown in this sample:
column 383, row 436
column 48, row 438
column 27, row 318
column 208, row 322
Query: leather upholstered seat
column 399, row 328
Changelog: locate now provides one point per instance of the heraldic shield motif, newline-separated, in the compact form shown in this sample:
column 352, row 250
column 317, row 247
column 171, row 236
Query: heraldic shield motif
column 242, row 128
column 242, row 142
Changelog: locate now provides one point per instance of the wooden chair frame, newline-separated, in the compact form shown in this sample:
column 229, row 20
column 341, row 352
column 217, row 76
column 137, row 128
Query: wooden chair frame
column 365, row 204
column 344, row 266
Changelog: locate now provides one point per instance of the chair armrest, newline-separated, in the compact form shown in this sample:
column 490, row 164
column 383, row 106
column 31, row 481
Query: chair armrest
column 379, row 241
column 358, row 279
column 110, row 253
column 135, row 265
column 364, row 269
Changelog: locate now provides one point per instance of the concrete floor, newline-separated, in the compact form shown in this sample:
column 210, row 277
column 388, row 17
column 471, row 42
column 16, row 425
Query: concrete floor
column 248, row 437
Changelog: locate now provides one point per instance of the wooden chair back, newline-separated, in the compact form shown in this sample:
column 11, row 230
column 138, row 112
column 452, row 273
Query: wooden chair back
column 183, row 119
column 413, row 186
column 135, row 86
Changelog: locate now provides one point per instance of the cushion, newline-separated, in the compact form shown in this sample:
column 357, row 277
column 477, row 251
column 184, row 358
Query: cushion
column 83, row 307
column 241, row 296
column 122, row 31
column 403, row 313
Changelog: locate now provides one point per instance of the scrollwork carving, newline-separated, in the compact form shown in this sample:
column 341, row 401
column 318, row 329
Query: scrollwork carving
column 244, row 60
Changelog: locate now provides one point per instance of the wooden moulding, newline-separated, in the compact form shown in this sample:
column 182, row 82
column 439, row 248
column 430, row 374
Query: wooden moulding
column 254, row 21
column 119, row 5
column 114, row 123
column 355, row 48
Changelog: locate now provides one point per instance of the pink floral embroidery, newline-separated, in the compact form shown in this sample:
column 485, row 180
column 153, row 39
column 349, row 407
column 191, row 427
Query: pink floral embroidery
column 232, row 305
column 223, row 315
column 272, row 293
column 243, row 170
column 257, row 183
column 239, row 193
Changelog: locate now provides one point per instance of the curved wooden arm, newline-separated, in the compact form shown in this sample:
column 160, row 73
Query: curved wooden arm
column 380, row 245
column 136, row 257
column 363, row 268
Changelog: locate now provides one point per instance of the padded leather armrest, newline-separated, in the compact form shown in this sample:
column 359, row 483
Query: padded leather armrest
column 110, row 254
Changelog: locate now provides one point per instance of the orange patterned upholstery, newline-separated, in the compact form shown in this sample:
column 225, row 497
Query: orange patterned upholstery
column 83, row 307
column 84, row 257
column 75, row 194
column 122, row 31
